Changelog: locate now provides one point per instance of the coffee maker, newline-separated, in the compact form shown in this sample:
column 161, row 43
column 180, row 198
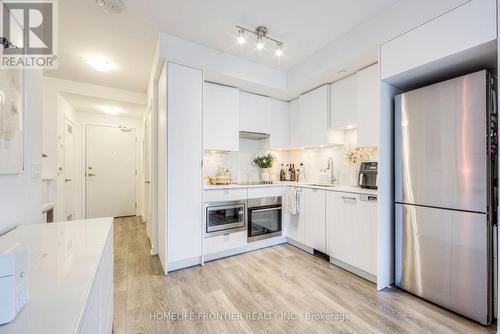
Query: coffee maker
column 368, row 172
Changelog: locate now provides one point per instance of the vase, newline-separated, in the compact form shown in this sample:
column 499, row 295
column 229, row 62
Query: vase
column 265, row 175
column 353, row 174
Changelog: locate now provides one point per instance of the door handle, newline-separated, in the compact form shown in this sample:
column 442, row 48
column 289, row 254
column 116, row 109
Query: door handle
column 90, row 174
column 67, row 180
column 147, row 182
column 349, row 198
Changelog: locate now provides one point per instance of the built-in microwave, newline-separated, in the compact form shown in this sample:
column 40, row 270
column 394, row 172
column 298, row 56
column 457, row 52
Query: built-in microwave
column 225, row 217
column 264, row 218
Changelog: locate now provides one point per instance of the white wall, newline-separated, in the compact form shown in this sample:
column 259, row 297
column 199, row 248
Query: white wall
column 21, row 195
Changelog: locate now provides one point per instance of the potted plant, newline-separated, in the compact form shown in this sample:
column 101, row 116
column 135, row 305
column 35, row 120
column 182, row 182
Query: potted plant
column 264, row 162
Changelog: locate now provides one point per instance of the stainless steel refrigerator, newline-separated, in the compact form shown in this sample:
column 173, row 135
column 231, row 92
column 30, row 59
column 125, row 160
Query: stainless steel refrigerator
column 445, row 157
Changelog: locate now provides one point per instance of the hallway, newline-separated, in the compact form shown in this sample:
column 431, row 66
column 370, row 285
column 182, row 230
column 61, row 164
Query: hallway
column 255, row 290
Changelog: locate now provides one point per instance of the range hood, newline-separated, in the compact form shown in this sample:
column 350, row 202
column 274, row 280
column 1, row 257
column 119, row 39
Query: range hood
column 254, row 135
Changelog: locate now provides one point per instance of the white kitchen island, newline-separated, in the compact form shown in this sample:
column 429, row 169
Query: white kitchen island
column 70, row 277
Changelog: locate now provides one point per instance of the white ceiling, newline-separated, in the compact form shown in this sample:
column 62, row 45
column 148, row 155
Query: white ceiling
column 94, row 105
column 130, row 39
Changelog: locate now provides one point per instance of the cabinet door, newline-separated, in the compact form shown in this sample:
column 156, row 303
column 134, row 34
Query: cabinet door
column 368, row 106
column 341, row 214
column 365, row 234
column 253, row 113
column 220, row 118
column 295, row 223
column 470, row 25
column 314, row 108
column 344, row 102
column 315, row 220
column 183, row 209
column 279, row 123
column 296, row 126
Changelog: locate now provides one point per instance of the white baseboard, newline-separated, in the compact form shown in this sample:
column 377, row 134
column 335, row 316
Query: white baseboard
column 181, row 264
column 354, row 270
column 251, row 246
column 300, row 245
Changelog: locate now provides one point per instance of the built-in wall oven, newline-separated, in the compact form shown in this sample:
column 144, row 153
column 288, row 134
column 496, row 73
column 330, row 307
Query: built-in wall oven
column 264, row 218
column 225, row 217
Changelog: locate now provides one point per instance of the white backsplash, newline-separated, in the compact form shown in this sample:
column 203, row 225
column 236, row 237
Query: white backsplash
column 239, row 163
column 240, row 166
column 315, row 159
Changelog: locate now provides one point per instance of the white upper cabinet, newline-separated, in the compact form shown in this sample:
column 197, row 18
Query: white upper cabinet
column 368, row 106
column 253, row 113
column 296, row 127
column 279, row 127
column 344, row 102
column 355, row 103
column 314, row 109
column 220, row 118
column 265, row 115
column 467, row 26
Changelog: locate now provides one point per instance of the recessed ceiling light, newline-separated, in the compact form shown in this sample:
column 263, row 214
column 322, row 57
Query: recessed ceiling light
column 110, row 110
column 101, row 64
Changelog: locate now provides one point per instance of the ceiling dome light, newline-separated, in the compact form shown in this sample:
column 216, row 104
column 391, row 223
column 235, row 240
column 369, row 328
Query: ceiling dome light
column 101, row 64
column 110, row 110
column 279, row 50
column 260, row 43
column 112, row 6
column 241, row 37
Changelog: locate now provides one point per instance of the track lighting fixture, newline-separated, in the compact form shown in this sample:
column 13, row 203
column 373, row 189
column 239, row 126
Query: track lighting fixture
column 261, row 33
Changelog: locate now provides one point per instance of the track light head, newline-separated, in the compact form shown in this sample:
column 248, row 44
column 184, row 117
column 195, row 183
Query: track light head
column 260, row 43
column 279, row 49
column 241, row 37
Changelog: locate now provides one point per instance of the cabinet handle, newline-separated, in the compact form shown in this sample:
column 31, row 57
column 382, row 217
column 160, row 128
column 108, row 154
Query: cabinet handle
column 349, row 198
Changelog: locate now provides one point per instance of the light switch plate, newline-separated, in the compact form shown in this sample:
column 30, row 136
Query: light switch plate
column 36, row 170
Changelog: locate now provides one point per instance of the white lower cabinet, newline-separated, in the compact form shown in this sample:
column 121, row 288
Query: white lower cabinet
column 315, row 219
column 225, row 242
column 294, row 224
column 98, row 314
column 352, row 230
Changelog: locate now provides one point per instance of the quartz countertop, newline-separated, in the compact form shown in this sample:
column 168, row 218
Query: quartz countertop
column 63, row 261
column 338, row 188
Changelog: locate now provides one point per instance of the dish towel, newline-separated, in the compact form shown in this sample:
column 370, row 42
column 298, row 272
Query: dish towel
column 292, row 201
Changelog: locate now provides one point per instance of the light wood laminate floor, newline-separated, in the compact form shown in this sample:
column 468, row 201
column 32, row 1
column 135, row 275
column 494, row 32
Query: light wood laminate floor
column 253, row 291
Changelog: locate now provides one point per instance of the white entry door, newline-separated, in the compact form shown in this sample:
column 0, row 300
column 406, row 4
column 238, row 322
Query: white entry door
column 110, row 171
column 69, row 169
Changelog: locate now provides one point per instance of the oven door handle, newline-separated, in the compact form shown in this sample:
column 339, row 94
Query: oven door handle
column 265, row 210
column 225, row 207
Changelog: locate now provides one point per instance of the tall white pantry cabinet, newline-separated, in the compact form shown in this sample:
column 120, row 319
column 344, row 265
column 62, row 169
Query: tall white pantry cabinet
column 180, row 174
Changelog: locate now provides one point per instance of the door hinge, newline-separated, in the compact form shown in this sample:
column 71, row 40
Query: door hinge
column 136, row 205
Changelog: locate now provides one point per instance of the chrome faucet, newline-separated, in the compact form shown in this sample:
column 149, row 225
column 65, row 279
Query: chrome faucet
column 330, row 168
